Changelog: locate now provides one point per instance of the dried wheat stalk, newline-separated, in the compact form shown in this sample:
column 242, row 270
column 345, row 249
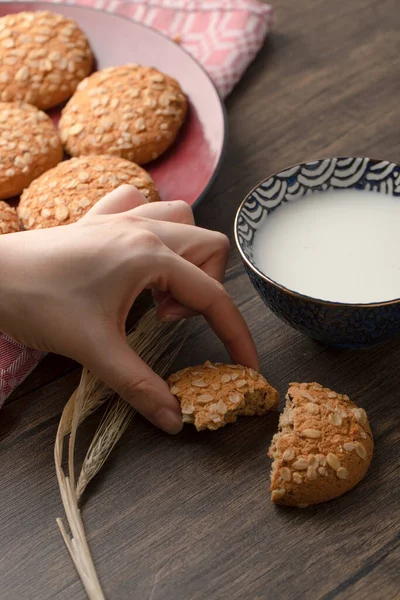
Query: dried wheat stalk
column 76, row 544
column 158, row 345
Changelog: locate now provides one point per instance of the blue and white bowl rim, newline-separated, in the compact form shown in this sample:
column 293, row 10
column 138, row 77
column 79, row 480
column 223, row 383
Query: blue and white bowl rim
column 383, row 172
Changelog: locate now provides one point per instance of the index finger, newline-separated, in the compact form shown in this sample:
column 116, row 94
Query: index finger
column 227, row 322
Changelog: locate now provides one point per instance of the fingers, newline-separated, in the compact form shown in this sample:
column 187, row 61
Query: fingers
column 187, row 240
column 168, row 309
column 123, row 199
column 209, row 250
column 115, row 363
column 194, row 289
column 206, row 249
column 174, row 212
column 215, row 264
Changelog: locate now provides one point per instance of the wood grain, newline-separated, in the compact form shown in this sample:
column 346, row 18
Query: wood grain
column 189, row 517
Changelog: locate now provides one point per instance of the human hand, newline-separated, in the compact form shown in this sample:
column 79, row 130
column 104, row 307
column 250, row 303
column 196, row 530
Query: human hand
column 69, row 289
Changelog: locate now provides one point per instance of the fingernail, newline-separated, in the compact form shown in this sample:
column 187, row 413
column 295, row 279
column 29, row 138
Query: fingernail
column 169, row 421
column 177, row 315
column 171, row 318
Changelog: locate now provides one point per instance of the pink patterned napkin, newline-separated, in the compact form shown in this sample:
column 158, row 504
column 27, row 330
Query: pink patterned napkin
column 223, row 35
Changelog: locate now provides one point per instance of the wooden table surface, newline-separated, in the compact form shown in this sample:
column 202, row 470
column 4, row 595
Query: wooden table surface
column 189, row 517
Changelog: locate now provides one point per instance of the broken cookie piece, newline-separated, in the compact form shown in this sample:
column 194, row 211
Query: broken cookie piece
column 323, row 448
column 212, row 395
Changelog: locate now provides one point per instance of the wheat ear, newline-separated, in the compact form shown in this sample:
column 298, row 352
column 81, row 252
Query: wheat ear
column 114, row 423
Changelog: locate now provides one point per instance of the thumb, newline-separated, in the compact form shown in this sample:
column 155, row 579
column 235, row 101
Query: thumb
column 115, row 363
column 119, row 200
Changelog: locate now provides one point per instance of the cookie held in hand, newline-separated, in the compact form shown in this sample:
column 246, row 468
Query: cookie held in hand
column 212, row 395
column 323, row 448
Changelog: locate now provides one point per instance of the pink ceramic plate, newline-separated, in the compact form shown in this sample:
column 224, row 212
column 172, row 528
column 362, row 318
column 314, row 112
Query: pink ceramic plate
column 189, row 168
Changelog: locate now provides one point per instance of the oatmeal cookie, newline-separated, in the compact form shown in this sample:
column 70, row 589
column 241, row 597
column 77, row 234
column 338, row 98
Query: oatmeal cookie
column 29, row 146
column 8, row 219
column 43, row 57
column 131, row 111
column 323, row 448
column 66, row 193
column 212, row 395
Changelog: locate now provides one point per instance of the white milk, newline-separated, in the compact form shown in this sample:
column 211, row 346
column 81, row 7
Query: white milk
column 342, row 246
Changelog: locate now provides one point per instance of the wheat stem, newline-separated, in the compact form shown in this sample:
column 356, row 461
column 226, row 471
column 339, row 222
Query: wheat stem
column 77, row 544
column 78, row 406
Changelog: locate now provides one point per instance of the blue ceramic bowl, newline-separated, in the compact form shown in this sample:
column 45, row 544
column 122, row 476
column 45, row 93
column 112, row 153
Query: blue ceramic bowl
column 332, row 323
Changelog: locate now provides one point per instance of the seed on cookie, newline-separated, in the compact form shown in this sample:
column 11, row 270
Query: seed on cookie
column 297, row 478
column 288, row 454
column 329, row 449
column 312, row 433
column 300, row 464
column 29, row 146
column 43, row 57
column 333, row 461
column 66, row 193
column 217, row 399
column 335, row 418
column 8, row 219
column 278, row 494
column 118, row 114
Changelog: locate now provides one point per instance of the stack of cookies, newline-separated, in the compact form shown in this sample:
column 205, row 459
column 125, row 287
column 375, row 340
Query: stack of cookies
column 115, row 120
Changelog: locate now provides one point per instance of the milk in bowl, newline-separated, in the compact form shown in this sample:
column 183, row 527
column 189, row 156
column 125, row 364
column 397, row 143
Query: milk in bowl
column 341, row 246
column 321, row 244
